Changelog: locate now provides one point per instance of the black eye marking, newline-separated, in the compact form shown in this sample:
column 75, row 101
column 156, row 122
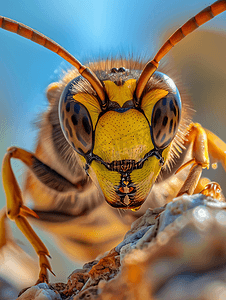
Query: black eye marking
column 171, row 125
column 74, row 120
column 157, row 116
column 76, row 108
column 69, row 128
column 164, row 101
column 68, row 107
column 85, row 123
column 165, row 120
column 173, row 108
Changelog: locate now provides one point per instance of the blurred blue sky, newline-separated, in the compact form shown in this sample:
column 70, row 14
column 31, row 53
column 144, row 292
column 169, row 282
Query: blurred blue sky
column 87, row 29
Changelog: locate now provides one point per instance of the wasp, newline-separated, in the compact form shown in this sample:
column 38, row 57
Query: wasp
column 113, row 130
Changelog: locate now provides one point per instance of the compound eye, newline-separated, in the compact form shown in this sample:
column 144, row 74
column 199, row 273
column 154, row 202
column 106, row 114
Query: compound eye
column 75, row 122
column 165, row 120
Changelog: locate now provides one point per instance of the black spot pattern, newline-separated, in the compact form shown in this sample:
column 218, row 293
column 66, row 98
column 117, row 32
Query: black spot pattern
column 165, row 120
column 157, row 116
column 76, row 108
column 85, row 123
column 171, row 125
column 74, row 120
column 164, row 101
column 173, row 108
column 68, row 106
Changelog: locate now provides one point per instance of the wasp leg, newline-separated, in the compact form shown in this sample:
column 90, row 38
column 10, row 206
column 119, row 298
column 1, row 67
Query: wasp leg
column 216, row 148
column 18, row 212
column 201, row 184
column 213, row 190
column 197, row 137
column 3, row 234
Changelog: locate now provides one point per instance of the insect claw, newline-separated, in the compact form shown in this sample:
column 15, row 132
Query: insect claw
column 213, row 189
column 44, row 266
column 25, row 211
column 185, row 165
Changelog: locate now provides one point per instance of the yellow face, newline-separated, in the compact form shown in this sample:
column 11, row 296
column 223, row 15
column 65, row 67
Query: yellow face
column 124, row 147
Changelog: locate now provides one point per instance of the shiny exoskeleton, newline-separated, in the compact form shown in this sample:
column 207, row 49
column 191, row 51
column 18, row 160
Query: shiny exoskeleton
column 112, row 130
column 123, row 140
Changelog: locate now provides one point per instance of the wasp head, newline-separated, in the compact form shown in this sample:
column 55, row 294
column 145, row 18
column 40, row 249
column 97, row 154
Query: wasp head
column 123, row 146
